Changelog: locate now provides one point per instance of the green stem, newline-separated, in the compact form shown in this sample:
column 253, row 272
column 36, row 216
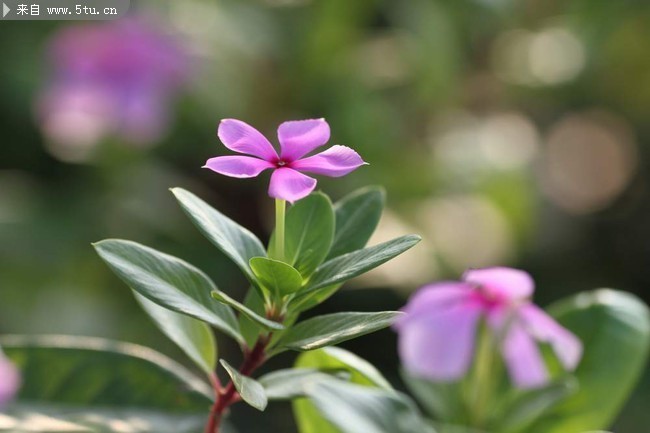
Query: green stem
column 484, row 378
column 280, row 208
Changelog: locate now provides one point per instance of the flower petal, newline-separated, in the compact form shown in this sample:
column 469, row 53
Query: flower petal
column 237, row 166
column 440, row 346
column 335, row 162
column 9, row 380
column 543, row 327
column 433, row 297
column 243, row 138
column 502, row 283
column 525, row 364
column 290, row 185
column 299, row 137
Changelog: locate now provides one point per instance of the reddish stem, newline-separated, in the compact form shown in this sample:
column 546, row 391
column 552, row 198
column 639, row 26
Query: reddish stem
column 253, row 359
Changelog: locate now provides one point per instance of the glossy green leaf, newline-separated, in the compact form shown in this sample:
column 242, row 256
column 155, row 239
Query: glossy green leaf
column 357, row 216
column 350, row 265
column 292, row 383
column 309, row 233
column 526, row 407
column 250, row 329
column 235, row 241
column 353, row 409
column 169, row 282
column 615, row 330
column 332, row 329
column 303, row 302
column 195, row 338
column 250, row 390
column 24, row 417
column 457, row 428
column 334, row 358
column 361, row 372
column 278, row 277
column 81, row 371
column 443, row 401
column 243, row 309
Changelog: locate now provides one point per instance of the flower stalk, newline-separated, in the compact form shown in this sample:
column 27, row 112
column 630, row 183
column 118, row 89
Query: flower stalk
column 280, row 212
column 484, row 376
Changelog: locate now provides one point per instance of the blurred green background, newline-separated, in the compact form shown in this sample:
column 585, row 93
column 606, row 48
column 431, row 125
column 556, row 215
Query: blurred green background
column 505, row 132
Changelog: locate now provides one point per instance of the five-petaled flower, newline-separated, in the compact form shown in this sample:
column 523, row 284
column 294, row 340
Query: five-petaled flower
column 297, row 139
column 437, row 335
column 9, row 380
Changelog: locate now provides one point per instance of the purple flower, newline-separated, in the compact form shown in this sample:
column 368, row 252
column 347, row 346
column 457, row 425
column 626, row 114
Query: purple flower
column 9, row 380
column 437, row 335
column 115, row 78
column 297, row 139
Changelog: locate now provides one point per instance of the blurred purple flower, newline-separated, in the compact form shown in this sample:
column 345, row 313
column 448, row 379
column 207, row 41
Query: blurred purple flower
column 437, row 335
column 111, row 78
column 297, row 138
column 9, row 380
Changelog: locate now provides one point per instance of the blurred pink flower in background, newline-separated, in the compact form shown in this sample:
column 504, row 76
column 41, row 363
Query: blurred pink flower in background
column 9, row 380
column 437, row 336
column 110, row 79
column 297, row 139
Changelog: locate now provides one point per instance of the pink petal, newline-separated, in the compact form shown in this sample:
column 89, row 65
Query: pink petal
column 238, row 166
column 440, row 346
column 434, row 297
column 543, row 327
column 9, row 380
column 525, row 364
column 335, row 162
column 502, row 283
column 243, row 138
column 290, row 185
column 299, row 137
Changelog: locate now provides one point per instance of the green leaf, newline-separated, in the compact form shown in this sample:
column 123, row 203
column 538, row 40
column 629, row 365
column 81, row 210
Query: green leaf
column 309, row 233
column 358, row 262
column 250, row 390
column 250, row 329
column 518, row 414
column 292, row 383
column 194, row 337
column 357, row 216
column 444, row 401
column 303, row 302
column 169, row 282
column 235, row 241
column 278, row 277
column 615, row 330
column 24, row 417
column 361, row 372
column 334, row 358
column 354, row 409
column 95, row 372
column 263, row 321
column 332, row 329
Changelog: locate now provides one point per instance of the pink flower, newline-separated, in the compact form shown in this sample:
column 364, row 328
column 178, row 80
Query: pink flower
column 297, row 138
column 9, row 380
column 437, row 334
column 116, row 78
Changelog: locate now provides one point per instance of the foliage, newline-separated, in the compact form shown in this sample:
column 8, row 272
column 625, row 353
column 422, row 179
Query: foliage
column 184, row 303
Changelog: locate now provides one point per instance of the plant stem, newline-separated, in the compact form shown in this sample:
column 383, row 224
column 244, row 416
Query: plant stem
column 227, row 396
column 483, row 378
column 280, row 208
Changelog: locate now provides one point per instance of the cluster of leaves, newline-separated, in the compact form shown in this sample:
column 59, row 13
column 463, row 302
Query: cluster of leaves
column 324, row 247
column 86, row 384
column 615, row 329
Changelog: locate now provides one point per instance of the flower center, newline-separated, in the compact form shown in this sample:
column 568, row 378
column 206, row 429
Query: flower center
column 280, row 163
